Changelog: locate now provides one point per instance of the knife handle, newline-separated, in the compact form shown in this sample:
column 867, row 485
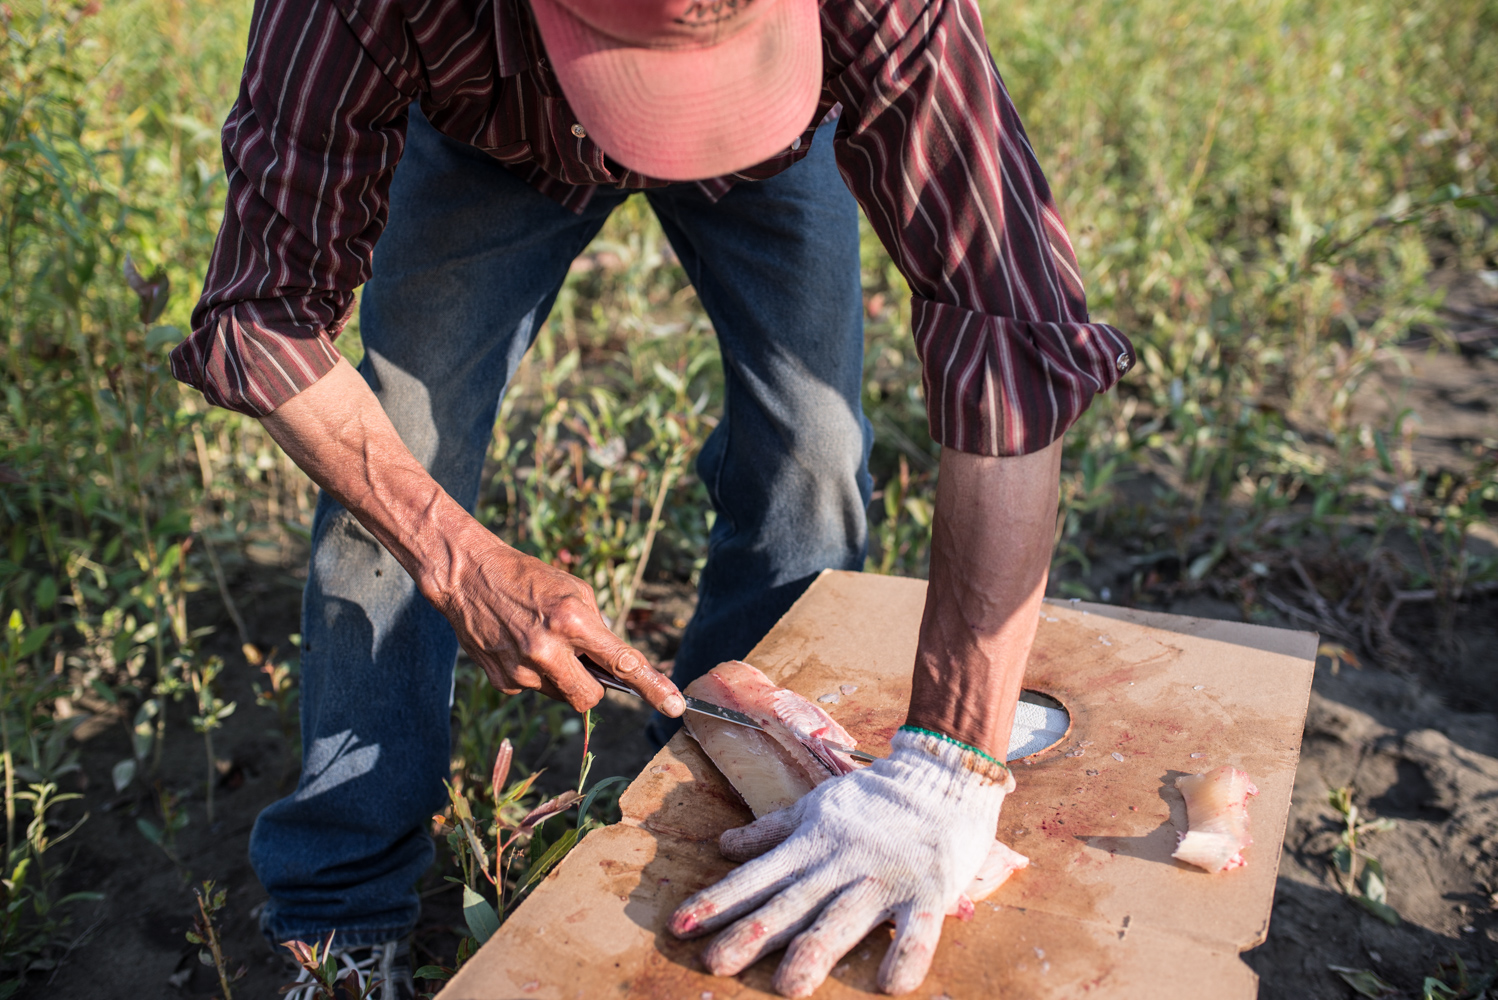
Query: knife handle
column 607, row 679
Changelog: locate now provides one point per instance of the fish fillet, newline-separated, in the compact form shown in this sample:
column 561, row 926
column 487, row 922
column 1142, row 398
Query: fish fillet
column 1217, row 818
column 1002, row 862
column 774, row 768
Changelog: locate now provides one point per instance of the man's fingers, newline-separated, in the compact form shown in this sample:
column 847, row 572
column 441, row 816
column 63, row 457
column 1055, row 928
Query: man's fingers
column 845, row 921
column 736, row 894
column 917, row 932
column 559, row 676
column 745, row 843
column 767, row 928
column 573, row 683
column 580, row 704
column 629, row 665
column 508, row 681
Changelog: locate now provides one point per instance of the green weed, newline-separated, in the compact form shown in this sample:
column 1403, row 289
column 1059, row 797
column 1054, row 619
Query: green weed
column 518, row 837
column 1452, row 981
column 1360, row 874
column 332, row 982
column 174, row 819
column 205, row 934
column 211, row 713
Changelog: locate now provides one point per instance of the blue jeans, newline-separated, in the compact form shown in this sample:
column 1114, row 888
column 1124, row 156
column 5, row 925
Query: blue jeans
column 464, row 275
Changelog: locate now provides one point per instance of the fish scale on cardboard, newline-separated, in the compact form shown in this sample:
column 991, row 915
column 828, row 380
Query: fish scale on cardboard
column 1102, row 911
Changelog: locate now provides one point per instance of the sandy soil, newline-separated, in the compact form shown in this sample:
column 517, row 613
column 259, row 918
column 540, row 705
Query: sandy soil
column 1420, row 746
column 1435, row 773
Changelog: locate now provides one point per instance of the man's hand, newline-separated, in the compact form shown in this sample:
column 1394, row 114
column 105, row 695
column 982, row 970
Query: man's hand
column 901, row 839
column 524, row 622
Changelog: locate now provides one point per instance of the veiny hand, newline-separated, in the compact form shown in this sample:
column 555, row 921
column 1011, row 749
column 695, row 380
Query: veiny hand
column 526, row 624
column 902, row 839
column 523, row 621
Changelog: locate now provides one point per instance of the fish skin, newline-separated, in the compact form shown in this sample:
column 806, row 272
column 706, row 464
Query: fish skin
column 811, row 725
column 794, row 723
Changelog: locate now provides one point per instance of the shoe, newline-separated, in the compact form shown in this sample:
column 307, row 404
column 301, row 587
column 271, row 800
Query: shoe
column 387, row 964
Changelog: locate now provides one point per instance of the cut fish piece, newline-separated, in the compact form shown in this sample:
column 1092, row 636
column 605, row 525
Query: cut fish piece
column 1002, row 862
column 1217, row 818
column 758, row 768
column 793, row 726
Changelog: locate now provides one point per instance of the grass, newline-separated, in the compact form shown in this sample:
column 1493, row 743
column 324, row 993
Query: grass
column 1258, row 191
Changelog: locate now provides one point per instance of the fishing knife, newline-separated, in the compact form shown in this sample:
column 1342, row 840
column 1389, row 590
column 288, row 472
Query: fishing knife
column 718, row 712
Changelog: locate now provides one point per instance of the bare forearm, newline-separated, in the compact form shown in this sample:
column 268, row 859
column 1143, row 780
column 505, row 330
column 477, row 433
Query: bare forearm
column 338, row 434
column 524, row 622
column 990, row 551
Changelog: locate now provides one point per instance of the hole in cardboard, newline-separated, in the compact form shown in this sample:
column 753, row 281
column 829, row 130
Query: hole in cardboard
column 1040, row 723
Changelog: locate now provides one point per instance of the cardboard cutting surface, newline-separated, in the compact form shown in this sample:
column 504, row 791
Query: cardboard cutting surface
column 1102, row 911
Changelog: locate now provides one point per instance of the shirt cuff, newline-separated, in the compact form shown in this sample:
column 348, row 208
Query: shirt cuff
column 1004, row 387
column 242, row 364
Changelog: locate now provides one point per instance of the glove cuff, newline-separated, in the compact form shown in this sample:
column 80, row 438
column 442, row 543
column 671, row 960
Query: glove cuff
column 956, row 755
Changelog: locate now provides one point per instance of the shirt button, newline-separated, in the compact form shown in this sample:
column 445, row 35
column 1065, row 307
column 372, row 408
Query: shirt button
column 796, row 143
column 579, row 131
column 1123, row 362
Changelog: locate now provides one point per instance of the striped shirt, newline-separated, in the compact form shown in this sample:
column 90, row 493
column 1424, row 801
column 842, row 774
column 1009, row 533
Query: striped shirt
column 928, row 141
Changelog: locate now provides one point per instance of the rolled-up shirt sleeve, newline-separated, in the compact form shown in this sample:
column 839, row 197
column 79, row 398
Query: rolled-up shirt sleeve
column 933, row 149
column 309, row 150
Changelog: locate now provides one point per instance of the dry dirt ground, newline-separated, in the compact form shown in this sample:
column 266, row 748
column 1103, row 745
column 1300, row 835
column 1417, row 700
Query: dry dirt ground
column 1419, row 746
column 1433, row 771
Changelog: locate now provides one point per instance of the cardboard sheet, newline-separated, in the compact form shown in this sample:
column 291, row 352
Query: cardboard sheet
column 1102, row 911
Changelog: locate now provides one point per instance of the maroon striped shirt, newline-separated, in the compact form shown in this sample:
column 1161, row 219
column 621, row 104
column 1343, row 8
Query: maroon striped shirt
column 929, row 143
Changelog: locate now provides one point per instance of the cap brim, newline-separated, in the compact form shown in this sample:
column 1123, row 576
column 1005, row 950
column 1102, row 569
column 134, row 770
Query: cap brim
column 691, row 113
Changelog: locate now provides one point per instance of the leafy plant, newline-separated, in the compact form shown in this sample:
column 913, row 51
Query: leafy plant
column 212, row 711
column 442, row 973
column 142, row 738
column 205, row 934
column 1259, row 205
column 903, row 535
column 20, row 644
column 280, row 690
column 587, row 760
column 1453, row 981
column 30, row 919
column 1365, row 982
column 173, row 819
column 330, row 982
column 1360, row 874
column 512, row 830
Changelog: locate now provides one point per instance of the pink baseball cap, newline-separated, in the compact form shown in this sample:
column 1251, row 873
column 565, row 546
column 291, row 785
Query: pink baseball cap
column 686, row 89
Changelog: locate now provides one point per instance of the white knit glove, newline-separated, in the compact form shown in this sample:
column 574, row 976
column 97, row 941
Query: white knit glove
column 901, row 838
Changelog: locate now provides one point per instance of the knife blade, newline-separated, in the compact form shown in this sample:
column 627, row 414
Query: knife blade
column 717, row 712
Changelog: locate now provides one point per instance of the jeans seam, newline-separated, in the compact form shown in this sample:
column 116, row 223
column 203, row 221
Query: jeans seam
column 715, row 491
